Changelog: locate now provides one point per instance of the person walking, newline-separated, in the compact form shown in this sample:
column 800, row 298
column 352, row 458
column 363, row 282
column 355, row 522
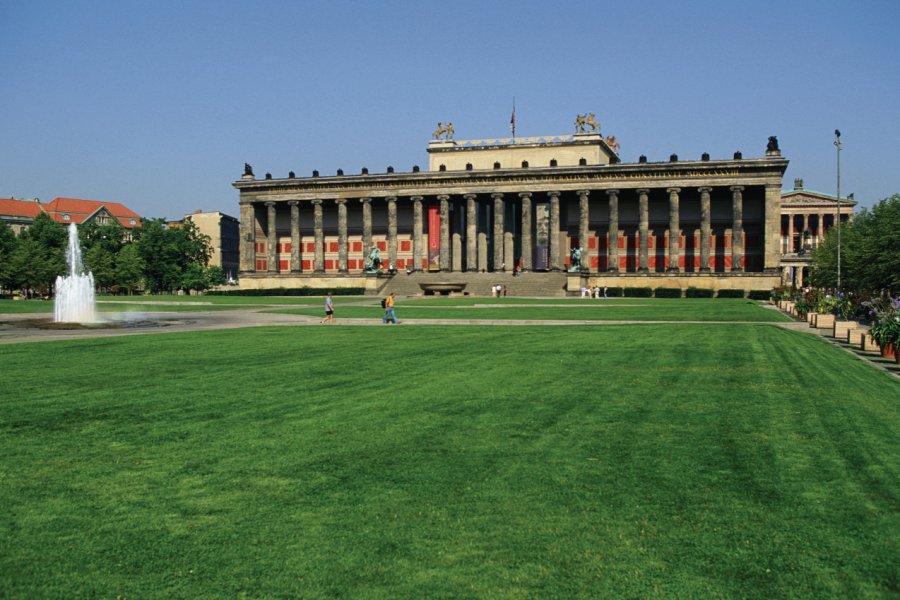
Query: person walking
column 389, row 315
column 329, row 309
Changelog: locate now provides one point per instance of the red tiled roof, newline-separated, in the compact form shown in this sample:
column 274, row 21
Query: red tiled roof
column 81, row 210
column 10, row 207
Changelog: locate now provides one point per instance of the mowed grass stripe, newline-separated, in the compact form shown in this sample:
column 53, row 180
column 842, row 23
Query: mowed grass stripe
column 651, row 460
column 704, row 310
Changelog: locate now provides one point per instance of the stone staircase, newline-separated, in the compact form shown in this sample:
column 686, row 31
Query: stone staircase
column 479, row 284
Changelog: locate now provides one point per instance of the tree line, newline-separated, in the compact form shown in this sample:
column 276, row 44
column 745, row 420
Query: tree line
column 153, row 257
column 870, row 251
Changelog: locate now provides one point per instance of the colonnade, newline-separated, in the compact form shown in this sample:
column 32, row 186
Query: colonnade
column 475, row 238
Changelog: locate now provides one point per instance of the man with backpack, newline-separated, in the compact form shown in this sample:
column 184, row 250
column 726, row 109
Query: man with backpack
column 388, row 305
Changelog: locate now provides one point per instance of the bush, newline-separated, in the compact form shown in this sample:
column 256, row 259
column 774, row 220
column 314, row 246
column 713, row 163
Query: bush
column 638, row 292
column 304, row 291
column 693, row 292
column 760, row 294
column 662, row 292
column 731, row 294
column 614, row 292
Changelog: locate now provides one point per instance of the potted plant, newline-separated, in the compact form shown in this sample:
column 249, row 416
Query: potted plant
column 886, row 328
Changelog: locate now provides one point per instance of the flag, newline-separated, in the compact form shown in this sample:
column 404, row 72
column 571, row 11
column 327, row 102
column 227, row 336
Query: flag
column 512, row 119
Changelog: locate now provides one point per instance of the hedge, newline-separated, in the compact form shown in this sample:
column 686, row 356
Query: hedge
column 693, row 292
column 731, row 294
column 304, row 291
column 614, row 292
column 638, row 292
column 760, row 294
column 662, row 292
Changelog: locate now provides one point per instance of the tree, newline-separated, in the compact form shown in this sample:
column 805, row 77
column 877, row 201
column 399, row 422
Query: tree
column 168, row 253
column 870, row 251
column 8, row 243
column 216, row 275
column 129, row 267
column 102, row 264
column 31, row 267
column 49, row 250
column 195, row 277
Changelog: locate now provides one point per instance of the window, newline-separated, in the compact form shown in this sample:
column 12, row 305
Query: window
column 66, row 217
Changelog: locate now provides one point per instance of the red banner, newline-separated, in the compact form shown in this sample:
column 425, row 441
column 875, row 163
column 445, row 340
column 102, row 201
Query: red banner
column 434, row 238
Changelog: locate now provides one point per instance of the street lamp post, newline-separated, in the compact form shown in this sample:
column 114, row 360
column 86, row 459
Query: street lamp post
column 837, row 143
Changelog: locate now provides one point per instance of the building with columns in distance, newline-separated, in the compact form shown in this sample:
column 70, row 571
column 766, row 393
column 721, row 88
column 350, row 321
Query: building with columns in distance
column 485, row 207
column 806, row 216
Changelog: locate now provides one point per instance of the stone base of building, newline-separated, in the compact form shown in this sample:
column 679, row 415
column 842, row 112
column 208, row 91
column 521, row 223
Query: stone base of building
column 557, row 284
column 268, row 281
column 706, row 281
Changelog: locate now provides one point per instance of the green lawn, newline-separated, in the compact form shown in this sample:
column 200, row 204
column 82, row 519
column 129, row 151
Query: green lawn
column 644, row 461
column 620, row 309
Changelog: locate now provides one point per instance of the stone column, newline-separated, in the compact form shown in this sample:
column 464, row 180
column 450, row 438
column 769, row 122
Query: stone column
column 772, row 257
column 705, row 229
column 737, row 228
column 295, row 236
column 471, row 233
column 392, row 231
column 367, row 226
column 445, row 232
column 674, row 230
column 417, row 232
column 248, row 238
column 498, row 230
column 319, row 228
column 583, row 225
column 612, row 248
column 342, row 235
column 554, row 231
column 271, row 239
column 644, row 230
column 527, row 249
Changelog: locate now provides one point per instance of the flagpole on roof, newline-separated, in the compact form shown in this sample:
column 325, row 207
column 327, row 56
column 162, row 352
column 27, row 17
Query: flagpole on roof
column 512, row 120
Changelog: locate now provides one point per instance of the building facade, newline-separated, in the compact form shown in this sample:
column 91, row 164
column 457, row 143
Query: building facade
column 490, row 206
column 224, row 239
column 20, row 214
column 806, row 216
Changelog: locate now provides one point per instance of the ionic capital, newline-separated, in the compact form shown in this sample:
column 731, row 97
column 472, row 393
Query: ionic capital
column 673, row 190
column 704, row 190
column 524, row 194
column 737, row 188
column 612, row 192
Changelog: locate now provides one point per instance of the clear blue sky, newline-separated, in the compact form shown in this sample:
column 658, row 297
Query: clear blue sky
column 158, row 104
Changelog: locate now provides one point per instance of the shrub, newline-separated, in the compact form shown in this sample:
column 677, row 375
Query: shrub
column 693, row 292
column 637, row 292
column 760, row 294
column 614, row 292
column 730, row 294
column 667, row 292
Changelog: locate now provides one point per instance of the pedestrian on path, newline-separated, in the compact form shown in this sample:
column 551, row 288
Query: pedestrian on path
column 329, row 309
column 389, row 315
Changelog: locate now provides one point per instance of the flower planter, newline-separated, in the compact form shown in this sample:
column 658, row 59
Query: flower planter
column 855, row 337
column 889, row 351
column 824, row 321
column 811, row 318
column 869, row 344
column 841, row 328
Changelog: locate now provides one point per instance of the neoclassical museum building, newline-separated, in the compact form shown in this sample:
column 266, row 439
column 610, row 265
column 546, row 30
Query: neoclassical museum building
column 561, row 211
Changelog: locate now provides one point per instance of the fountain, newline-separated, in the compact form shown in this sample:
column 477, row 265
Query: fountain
column 74, row 292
